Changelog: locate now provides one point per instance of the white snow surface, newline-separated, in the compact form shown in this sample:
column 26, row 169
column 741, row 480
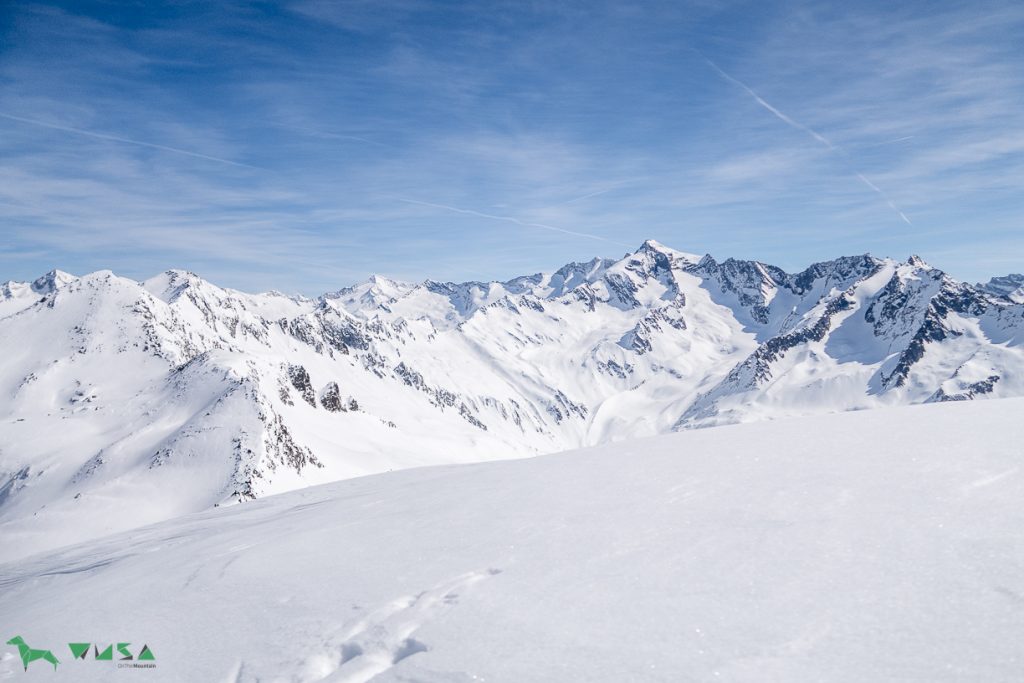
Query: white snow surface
column 883, row 545
column 124, row 403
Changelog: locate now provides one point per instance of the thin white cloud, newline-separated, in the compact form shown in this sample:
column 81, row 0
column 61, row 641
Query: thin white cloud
column 809, row 131
column 596, row 193
column 114, row 138
column 891, row 142
column 328, row 134
column 511, row 219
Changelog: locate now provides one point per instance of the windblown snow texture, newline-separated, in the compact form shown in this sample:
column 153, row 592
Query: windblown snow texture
column 881, row 545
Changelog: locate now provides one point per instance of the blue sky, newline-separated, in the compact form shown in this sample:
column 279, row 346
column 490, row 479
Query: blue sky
column 303, row 145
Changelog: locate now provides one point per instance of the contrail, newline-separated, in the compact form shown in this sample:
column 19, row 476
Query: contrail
column 810, row 131
column 329, row 134
column 114, row 138
column 891, row 142
column 589, row 195
column 510, row 219
column 884, row 197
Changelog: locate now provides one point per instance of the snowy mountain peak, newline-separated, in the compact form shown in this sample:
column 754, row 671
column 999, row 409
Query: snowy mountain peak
column 51, row 281
column 17, row 296
column 1006, row 286
column 653, row 246
column 12, row 288
column 371, row 296
column 385, row 286
column 572, row 275
column 169, row 284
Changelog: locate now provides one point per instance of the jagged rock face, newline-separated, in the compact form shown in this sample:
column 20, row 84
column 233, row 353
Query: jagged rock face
column 299, row 379
column 195, row 395
column 1009, row 287
column 330, row 398
column 776, row 300
column 775, row 348
column 641, row 338
column 967, row 393
column 751, row 282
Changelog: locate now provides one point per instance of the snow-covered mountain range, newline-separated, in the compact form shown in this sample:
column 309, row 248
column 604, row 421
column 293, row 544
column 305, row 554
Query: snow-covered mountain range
column 124, row 402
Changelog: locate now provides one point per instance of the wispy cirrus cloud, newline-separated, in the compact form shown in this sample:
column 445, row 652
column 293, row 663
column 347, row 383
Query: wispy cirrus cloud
column 514, row 220
column 266, row 145
column 116, row 138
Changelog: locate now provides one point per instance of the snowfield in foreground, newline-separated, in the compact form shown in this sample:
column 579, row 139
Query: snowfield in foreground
column 865, row 546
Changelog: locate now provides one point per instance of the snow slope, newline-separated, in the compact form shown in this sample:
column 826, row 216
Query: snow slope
column 124, row 403
column 882, row 545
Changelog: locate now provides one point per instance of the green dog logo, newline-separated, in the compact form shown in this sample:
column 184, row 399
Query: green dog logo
column 30, row 655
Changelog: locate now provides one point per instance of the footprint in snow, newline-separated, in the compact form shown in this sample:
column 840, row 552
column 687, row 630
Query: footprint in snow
column 384, row 637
